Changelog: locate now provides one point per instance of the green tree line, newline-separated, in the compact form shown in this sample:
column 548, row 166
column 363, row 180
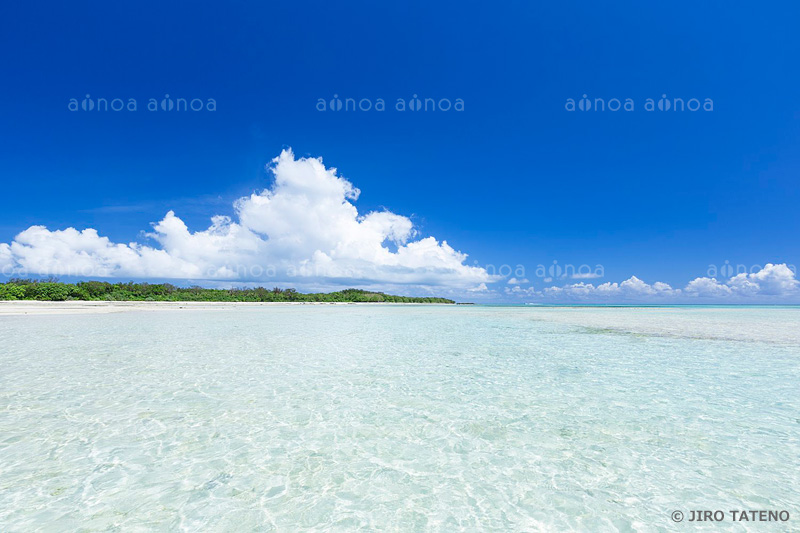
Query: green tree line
column 53, row 290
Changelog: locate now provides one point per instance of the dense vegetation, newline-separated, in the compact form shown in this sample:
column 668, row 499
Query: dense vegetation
column 28, row 289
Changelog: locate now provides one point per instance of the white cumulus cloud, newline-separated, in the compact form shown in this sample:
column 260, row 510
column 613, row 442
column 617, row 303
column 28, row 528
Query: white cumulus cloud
column 304, row 227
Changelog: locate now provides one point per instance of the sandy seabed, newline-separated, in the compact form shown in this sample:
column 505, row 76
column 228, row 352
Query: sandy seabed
column 288, row 417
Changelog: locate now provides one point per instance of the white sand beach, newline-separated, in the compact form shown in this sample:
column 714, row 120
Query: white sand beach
column 35, row 307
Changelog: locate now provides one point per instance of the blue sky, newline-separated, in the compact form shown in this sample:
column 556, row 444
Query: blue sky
column 513, row 179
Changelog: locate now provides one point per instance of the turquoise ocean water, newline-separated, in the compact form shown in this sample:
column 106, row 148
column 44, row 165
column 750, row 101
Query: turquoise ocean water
column 418, row 418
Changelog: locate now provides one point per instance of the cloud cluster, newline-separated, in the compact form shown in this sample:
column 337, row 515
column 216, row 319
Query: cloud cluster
column 631, row 288
column 774, row 281
column 305, row 227
column 306, row 230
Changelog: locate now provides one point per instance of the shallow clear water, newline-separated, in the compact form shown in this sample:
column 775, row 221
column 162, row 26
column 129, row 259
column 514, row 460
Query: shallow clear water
column 397, row 417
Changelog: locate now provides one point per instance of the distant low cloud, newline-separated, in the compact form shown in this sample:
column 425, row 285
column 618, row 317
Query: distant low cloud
column 772, row 280
column 519, row 291
column 775, row 282
column 586, row 275
column 305, row 227
column 633, row 288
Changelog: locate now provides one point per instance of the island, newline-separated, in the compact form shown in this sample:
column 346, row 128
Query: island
column 53, row 290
